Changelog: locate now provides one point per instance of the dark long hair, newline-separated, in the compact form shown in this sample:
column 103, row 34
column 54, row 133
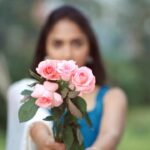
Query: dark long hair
column 71, row 13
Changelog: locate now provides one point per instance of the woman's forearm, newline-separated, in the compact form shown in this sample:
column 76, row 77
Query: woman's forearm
column 40, row 133
column 113, row 121
column 107, row 142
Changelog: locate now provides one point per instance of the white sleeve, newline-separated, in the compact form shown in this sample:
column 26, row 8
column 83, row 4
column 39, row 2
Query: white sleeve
column 18, row 137
column 13, row 126
column 27, row 140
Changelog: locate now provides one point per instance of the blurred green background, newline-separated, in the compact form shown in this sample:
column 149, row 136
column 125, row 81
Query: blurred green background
column 123, row 31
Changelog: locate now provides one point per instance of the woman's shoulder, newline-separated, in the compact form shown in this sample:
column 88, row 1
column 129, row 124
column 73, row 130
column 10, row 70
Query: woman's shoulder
column 22, row 82
column 116, row 95
column 19, row 85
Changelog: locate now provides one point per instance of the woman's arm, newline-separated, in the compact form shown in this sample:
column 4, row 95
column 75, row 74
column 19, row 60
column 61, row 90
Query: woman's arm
column 42, row 137
column 40, row 134
column 113, row 121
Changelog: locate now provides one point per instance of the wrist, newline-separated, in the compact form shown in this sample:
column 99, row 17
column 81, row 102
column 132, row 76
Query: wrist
column 40, row 133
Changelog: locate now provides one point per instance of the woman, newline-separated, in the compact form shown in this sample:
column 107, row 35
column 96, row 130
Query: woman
column 68, row 35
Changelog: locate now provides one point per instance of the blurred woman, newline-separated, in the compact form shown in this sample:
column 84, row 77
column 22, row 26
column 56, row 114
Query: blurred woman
column 67, row 35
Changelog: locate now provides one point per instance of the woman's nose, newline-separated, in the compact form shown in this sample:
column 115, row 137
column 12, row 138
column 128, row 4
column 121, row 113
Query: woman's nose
column 67, row 53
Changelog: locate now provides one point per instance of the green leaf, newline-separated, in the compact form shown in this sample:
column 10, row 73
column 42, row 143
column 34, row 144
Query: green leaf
column 74, row 110
column 69, row 118
column 49, row 118
column 26, row 92
column 27, row 110
column 79, row 136
column 58, row 130
column 76, row 146
column 73, row 94
column 25, row 98
column 33, row 84
column 68, row 137
column 64, row 92
column 56, row 112
column 87, row 119
column 62, row 84
column 36, row 76
column 80, row 103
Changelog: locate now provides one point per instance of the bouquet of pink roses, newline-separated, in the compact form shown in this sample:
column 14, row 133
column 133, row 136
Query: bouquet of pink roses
column 59, row 87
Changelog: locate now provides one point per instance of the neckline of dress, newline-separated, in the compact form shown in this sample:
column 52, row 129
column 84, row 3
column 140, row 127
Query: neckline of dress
column 99, row 94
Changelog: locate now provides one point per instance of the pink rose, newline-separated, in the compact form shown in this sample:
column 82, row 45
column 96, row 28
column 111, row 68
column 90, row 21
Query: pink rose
column 46, row 95
column 47, row 69
column 66, row 69
column 50, row 86
column 84, row 80
column 39, row 89
column 57, row 101
column 46, row 100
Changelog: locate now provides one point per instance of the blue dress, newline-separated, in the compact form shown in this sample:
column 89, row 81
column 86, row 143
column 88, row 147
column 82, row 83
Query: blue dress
column 90, row 134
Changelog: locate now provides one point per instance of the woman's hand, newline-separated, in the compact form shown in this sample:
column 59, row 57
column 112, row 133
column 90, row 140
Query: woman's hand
column 49, row 145
column 43, row 139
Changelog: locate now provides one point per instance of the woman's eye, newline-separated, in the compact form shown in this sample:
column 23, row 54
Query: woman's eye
column 57, row 44
column 77, row 43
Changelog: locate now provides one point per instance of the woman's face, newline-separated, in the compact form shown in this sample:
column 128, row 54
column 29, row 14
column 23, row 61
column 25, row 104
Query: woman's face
column 66, row 41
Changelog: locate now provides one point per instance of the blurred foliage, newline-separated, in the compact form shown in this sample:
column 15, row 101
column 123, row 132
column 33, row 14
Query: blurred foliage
column 3, row 113
column 2, row 140
column 137, row 132
column 132, row 76
column 17, row 33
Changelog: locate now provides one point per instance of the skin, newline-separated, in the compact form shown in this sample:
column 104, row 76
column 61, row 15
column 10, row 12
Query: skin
column 67, row 41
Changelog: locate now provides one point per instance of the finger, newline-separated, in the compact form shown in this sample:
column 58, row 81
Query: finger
column 51, row 144
column 49, row 141
column 58, row 146
column 61, row 146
